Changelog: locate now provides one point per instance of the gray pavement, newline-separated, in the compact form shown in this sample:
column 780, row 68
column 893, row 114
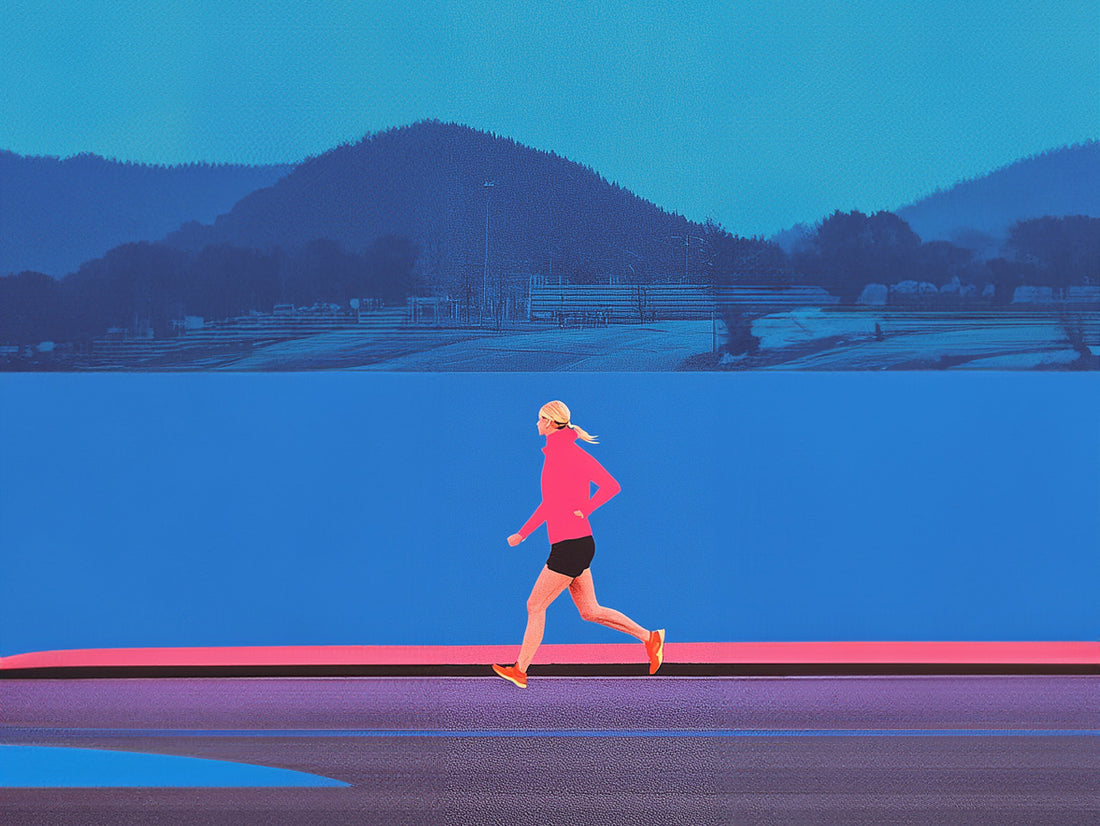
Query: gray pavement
column 966, row 749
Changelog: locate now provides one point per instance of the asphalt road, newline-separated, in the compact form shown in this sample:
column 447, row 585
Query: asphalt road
column 891, row 749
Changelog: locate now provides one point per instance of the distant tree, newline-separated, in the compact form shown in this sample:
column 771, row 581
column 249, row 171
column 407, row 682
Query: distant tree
column 794, row 239
column 941, row 261
column 1064, row 251
column 30, row 309
column 1006, row 276
column 134, row 286
column 225, row 281
column 851, row 250
column 390, row 267
column 324, row 271
column 739, row 336
column 430, row 266
column 731, row 256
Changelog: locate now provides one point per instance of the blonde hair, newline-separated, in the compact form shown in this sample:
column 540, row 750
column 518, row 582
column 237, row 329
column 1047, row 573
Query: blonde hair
column 559, row 414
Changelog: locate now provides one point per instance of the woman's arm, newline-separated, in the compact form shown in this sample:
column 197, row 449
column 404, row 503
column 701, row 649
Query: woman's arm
column 532, row 524
column 606, row 486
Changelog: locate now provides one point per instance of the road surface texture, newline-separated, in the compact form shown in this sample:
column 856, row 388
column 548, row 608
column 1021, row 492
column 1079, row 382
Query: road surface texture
column 906, row 749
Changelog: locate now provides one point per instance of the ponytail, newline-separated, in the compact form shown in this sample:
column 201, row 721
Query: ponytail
column 583, row 434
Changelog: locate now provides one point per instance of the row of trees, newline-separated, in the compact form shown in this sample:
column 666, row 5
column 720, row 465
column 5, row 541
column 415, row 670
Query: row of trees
column 850, row 250
column 153, row 284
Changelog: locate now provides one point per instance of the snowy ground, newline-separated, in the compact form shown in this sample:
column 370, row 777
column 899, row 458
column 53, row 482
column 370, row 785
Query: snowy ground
column 822, row 339
column 801, row 339
column 343, row 349
column 649, row 347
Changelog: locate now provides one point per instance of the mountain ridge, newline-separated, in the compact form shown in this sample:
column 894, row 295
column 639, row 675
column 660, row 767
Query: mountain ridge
column 53, row 209
column 1057, row 182
column 440, row 184
column 374, row 186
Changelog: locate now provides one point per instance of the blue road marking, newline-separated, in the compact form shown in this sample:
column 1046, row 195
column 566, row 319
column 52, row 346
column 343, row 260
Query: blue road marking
column 67, row 767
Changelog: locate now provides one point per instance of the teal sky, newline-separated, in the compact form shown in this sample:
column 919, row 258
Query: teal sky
column 758, row 114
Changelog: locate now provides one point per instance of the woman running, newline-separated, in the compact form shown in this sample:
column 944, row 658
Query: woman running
column 565, row 508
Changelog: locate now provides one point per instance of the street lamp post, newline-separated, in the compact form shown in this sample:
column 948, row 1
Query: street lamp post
column 687, row 242
column 487, row 186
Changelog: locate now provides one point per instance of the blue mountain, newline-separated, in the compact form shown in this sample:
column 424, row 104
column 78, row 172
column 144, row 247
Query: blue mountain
column 979, row 212
column 56, row 214
column 439, row 184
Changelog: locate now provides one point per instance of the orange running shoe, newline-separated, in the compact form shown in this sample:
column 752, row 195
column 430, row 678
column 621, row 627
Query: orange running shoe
column 655, row 648
column 512, row 674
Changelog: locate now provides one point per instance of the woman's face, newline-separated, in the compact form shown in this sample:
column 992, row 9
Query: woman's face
column 546, row 427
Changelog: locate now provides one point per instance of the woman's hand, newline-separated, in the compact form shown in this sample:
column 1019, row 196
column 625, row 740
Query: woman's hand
column 578, row 513
column 514, row 539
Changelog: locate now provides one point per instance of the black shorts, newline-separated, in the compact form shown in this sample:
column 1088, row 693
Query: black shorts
column 571, row 556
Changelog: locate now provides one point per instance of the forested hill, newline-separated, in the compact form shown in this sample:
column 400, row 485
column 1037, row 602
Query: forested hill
column 427, row 183
column 56, row 214
column 1062, row 181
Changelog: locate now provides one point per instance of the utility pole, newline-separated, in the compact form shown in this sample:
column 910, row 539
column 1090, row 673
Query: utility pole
column 487, row 186
column 687, row 242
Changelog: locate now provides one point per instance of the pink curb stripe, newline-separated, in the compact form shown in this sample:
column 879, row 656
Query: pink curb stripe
column 902, row 653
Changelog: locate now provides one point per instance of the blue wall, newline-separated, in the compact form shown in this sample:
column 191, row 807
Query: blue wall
column 334, row 508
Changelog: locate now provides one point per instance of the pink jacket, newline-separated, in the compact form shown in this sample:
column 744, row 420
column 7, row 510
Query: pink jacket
column 566, row 473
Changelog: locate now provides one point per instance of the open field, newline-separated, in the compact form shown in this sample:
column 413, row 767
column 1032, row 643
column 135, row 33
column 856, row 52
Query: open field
column 817, row 339
column 811, row 338
column 639, row 348
column 805, row 339
column 650, row 347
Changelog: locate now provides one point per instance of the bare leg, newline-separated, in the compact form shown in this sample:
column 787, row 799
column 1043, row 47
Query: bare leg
column 583, row 591
column 547, row 587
